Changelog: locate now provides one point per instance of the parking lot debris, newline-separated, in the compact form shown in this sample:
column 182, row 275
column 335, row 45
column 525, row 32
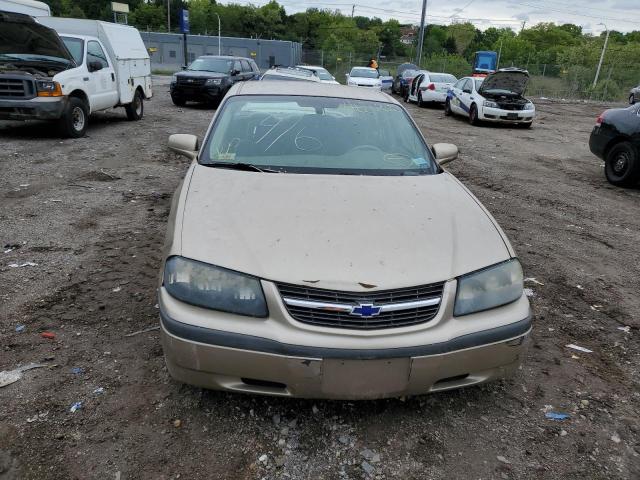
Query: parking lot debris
column 315, row 410
column 370, row 455
column 7, row 377
column 99, row 391
column 502, row 459
column 177, row 423
column 263, row 458
column 10, row 247
column 75, row 407
column 49, row 335
column 367, row 467
column 557, row 416
column 625, row 329
column 77, row 370
column 615, row 438
column 579, row 348
column 529, row 292
column 25, row 264
column 20, row 328
column 117, row 289
column 533, row 280
column 145, row 330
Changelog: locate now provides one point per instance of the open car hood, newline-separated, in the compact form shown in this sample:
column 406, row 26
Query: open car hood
column 512, row 80
column 21, row 34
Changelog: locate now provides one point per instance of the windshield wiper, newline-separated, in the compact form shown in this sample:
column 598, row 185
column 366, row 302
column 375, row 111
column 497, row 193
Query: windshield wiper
column 246, row 167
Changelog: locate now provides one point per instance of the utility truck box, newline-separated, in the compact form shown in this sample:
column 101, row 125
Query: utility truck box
column 65, row 69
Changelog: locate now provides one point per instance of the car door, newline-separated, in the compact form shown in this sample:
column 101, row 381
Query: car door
column 247, row 72
column 103, row 88
column 454, row 96
column 466, row 94
column 415, row 84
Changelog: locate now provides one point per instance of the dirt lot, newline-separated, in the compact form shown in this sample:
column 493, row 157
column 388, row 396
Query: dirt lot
column 91, row 213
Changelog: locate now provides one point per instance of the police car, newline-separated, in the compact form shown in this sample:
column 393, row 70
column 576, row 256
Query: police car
column 498, row 97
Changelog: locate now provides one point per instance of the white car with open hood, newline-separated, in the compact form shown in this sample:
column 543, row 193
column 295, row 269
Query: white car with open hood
column 499, row 97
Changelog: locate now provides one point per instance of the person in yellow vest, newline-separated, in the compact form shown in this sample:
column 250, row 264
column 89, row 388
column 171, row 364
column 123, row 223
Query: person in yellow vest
column 373, row 63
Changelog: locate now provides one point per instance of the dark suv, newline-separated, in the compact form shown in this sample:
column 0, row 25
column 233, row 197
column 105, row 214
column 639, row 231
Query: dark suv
column 209, row 78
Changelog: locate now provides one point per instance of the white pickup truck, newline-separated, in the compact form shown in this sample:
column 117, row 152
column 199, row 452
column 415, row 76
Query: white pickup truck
column 64, row 69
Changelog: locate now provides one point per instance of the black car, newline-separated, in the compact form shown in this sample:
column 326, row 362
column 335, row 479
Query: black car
column 209, row 78
column 400, row 84
column 616, row 139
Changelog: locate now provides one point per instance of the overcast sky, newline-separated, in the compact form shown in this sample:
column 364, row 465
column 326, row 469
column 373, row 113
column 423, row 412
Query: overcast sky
column 622, row 15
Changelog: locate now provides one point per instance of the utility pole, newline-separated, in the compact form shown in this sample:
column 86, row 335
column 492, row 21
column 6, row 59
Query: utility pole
column 523, row 25
column 353, row 9
column 604, row 48
column 421, row 36
column 219, row 42
column 168, row 16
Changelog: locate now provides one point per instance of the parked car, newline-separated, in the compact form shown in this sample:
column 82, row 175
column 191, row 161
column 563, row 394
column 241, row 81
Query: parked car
column 322, row 73
column 634, row 95
column 28, row 7
column 291, row 74
column 616, row 140
column 430, row 87
column 364, row 77
column 386, row 80
column 210, row 77
column 400, row 80
column 499, row 97
column 295, row 262
column 64, row 69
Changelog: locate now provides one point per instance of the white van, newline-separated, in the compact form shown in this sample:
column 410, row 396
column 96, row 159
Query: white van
column 65, row 69
column 28, row 7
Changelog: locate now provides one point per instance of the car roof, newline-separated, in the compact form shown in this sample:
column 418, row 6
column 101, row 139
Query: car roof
column 226, row 57
column 311, row 67
column 310, row 89
column 364, row 68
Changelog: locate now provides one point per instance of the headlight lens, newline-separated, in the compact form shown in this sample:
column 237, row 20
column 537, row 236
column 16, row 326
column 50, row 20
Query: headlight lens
column 213, row 287
column 214, row 81
column 490, row 104
column 529, row 106
column 48, row 88
column 489, row 288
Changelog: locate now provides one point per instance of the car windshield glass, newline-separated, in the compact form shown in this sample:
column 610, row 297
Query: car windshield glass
column 300, row 134
column 409, row 73
column 442, row 78
column 75, row 47
column 323, row 74
column 364, row 73
column 219, row 65
column 478, row 82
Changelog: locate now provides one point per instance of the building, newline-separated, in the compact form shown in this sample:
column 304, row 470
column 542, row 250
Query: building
column 167, row 50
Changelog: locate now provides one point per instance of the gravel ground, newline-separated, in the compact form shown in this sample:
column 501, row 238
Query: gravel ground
column 90, row 214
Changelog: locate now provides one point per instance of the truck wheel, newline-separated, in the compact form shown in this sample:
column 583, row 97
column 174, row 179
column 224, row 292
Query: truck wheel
column 76, row 118
column 135, row 109
column 622, row 165
column 178, row 102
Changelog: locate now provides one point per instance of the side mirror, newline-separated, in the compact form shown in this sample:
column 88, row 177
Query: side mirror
column 444, row 152
column 184, row 144
column 234, row 72
column 94, row 66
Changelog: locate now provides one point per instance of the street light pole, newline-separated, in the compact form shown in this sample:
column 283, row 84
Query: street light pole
column 219, row 42
column 421, row 36
column 604, row 48
column 168, row 16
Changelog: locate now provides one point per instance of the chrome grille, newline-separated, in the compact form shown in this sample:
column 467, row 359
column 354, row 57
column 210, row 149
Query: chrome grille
column 15, row 88
column 330, row 308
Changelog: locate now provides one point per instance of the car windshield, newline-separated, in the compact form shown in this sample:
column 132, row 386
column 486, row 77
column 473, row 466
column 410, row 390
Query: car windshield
column 409, row 73
column 364, row 73
column 220, row 65
column 442, row 78
column 75, row 47
column 317, row 135
column 478, row 82
column 323, row 74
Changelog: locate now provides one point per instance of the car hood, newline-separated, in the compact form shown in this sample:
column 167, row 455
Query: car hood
column 338, row 231
column 20, row 34
column 201, row 74
column 512, row 80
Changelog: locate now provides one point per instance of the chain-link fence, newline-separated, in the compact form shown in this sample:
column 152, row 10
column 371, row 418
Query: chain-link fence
column 575, row 82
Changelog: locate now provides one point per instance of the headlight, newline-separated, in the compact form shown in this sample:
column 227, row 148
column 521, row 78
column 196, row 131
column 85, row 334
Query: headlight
column 174, row 78
column 213, row 81
column 213, row 287
column 489, row 288
column 48, row 88
column 529, row 106
column 490, row 104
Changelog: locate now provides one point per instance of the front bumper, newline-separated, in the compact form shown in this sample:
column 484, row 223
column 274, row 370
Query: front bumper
column 202, row 93
column 270, row 357
column 39, row 108
column 506, row 116
column 599, row 139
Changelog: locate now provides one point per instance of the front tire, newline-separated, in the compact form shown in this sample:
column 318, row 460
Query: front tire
column 622, row 165
column 75, row 119
column 447, row 108
column 178, row 102
column 473, row 115
column 135, row 109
